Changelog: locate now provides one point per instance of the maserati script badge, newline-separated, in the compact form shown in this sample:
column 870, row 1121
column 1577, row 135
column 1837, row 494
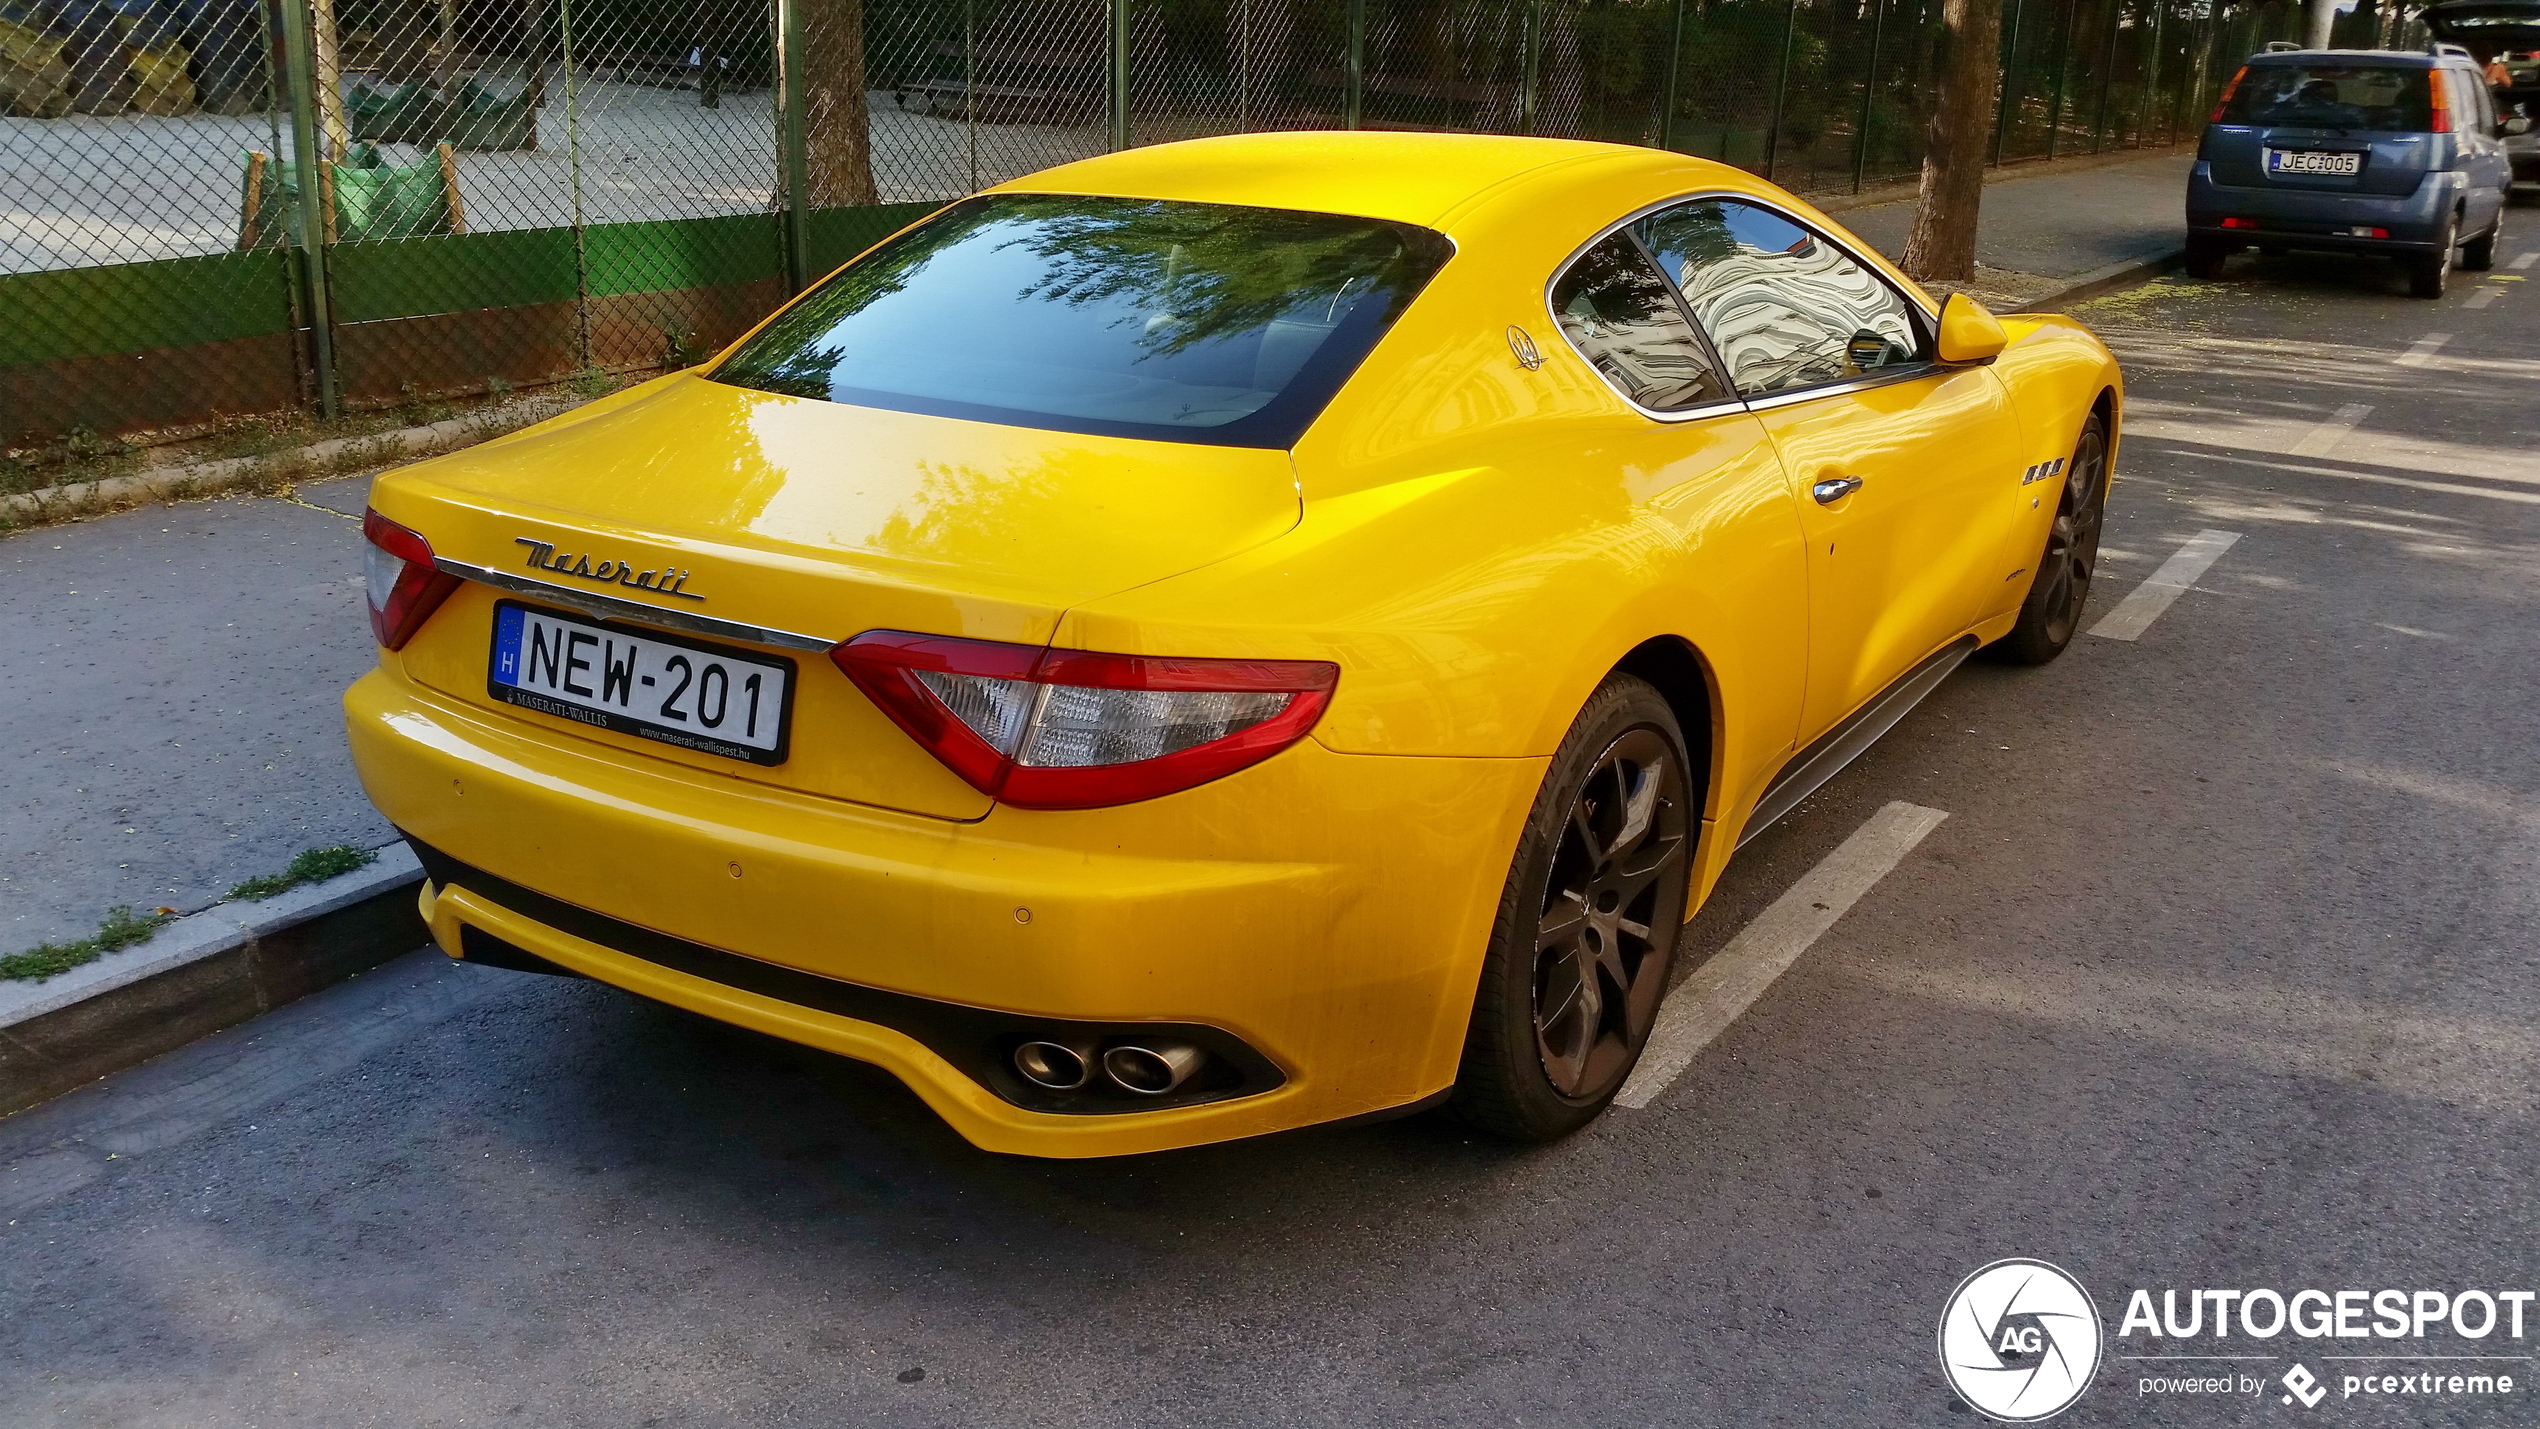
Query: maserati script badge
column 543, row 557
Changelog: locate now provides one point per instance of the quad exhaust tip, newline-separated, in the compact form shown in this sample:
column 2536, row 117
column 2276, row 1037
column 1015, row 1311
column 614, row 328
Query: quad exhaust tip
column 1151, row 1068
column 1057, row 1066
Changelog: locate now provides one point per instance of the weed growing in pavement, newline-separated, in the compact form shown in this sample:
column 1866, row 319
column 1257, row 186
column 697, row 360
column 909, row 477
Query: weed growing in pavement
column 383, row 449
column 255, row 436
column 121, row 930
column 679, row 349
column 123, row 927
column 19, row 473
column 309, row 865
column 80, row 456
column 417, row 410
column 593, row 382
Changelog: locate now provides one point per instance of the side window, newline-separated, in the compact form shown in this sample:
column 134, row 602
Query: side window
column 1784, row 307
column 2469, row 101
column 1623, row 319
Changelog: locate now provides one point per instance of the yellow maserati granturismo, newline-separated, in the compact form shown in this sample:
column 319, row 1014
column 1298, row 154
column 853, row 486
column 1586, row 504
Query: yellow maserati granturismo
column 1222, row 636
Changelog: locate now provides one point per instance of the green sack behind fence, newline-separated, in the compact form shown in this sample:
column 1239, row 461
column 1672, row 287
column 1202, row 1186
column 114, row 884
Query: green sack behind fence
column 373, row 199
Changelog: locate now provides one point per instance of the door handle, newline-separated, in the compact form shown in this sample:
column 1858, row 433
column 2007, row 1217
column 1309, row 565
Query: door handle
column 1834, row 489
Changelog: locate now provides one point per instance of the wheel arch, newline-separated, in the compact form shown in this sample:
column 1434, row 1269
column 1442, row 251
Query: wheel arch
column 1672, row 666
column 2104, row 407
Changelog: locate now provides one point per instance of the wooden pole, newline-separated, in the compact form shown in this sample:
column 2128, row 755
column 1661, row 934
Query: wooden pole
column 327, row 79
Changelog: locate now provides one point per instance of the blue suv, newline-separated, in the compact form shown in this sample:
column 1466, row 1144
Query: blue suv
column 2369, row 151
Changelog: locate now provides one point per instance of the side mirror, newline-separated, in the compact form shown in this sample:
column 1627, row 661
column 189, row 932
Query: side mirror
column 1969, row 336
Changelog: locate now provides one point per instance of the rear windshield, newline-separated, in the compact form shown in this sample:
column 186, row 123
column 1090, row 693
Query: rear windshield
column 2378, row 98
column 1118, row 317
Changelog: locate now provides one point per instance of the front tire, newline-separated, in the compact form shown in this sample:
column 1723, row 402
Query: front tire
column 2051, row 615
column 1587, row 924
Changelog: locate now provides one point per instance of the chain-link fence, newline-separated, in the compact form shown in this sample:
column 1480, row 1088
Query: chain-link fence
column 513, row 192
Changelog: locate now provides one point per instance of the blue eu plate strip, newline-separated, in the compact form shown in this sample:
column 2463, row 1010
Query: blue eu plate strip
column 507, row 623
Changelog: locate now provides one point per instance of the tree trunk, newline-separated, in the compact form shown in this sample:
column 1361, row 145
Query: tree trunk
column 1942, row 246
column 837, row 128
column 2323, row 18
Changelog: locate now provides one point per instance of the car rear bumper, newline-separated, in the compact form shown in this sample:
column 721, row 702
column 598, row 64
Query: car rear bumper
column 1325, row 913
column 2298, row 218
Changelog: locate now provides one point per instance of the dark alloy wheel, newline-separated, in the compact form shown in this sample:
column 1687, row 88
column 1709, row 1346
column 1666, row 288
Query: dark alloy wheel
column 1587, row 925
column 2052, row 612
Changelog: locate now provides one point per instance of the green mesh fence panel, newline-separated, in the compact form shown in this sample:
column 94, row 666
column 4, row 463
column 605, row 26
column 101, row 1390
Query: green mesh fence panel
column 525, row 191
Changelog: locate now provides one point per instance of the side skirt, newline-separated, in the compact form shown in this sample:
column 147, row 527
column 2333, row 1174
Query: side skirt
column 1839, row 746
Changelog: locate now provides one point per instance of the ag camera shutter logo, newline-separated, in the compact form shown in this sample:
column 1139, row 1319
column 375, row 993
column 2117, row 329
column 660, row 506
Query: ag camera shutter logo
column 2019, row 1341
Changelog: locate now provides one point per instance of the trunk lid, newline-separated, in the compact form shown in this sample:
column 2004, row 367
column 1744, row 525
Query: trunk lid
column 820, row 520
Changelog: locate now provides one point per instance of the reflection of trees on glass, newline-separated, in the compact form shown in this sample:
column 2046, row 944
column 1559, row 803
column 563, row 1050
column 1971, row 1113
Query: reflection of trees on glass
column 1688, row 235
column 1118, row 312
column 1204, row 271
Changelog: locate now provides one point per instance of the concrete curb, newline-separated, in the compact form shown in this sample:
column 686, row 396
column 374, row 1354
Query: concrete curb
column 204, row 972
column 214, row 478
column 2124, row 273
column 194, row 480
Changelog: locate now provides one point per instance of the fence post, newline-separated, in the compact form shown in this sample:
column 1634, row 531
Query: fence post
column 1530, row 98
column 1869, row 95
column 1354, row 67
column 2010, row 73
column 1781, row 91
column 2063, row 64
column 2107, row 76
column 1675, row 72
column 573, row 168
column 298, row 62
column 1243, row 68
column 2152, row 74
column 794, row 156
column 1119, row 74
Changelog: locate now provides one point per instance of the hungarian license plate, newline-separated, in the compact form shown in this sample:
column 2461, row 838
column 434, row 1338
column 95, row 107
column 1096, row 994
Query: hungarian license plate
column 2314, row 161
column 662, row 687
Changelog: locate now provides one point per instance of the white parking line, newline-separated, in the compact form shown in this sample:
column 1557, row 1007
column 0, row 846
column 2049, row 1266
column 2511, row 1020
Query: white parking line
column 2145, row 602
column 2484, row 296
column 1704, row 1004
column 2323, row 439
column 2424, row 349
column 2523, row 261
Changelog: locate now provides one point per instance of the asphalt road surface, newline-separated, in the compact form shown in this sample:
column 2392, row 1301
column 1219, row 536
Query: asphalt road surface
column 2214, row 973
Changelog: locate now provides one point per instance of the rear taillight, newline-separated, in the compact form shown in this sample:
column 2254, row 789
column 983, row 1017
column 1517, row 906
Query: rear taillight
column 2436, row 83
column 404, row 588
column 2229, row 89
column 1071, row 729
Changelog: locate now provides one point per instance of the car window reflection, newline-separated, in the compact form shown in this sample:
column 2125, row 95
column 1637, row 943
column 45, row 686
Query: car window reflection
column 1618, row 312
column 1185, row 321
column 1784, row 307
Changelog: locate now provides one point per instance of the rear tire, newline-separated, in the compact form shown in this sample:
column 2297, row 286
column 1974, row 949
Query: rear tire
column 2051, row 615
column 1587, row 924
column 2205, row 259
column 2479, row 254
column 2429, row 274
